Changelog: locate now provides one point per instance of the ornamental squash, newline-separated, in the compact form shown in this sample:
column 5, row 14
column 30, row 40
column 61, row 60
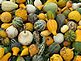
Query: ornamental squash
column 56, row 57
column 20, row 1
column 5, row 25
column 77, row 58
column 20, row 58
column 78, row 35
column 17, row 22
column 40, row 25
column 48, row 1
column 52, row 26
column 1, row 52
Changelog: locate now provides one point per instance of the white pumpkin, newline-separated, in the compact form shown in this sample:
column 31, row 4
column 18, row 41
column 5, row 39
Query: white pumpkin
column 11, row 32
column 59, row 38
column 25, row 37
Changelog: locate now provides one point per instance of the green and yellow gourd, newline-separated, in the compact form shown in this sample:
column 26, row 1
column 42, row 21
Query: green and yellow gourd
column 40, row 25
column 17, row 22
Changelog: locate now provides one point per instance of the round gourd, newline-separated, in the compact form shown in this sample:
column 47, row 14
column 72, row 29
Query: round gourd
column 6, row 17
column 25, row 37
column 40, row 25
column 17, row 22
column 11, row 32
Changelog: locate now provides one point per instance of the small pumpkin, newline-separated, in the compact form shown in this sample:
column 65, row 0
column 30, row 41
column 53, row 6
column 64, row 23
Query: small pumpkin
column 40, row 25
column 77, row 58
column 25, row 37
column 6, row 17
column 52, row 26
column 49, row 40
column 33, row 49
column 5, row 25
column 1, row 52
column 15, row 51
column 11, row 32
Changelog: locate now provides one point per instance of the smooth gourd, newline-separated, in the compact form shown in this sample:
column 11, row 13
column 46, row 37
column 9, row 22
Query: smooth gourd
column 5, row 25
column 1, row 52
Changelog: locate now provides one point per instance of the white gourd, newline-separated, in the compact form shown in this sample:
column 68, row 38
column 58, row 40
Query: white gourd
column 37, row 3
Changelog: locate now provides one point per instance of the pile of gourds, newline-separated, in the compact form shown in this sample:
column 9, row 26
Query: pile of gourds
column 40, row 30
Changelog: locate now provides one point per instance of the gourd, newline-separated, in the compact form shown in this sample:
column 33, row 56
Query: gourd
column 48, row 1
column 70, row 36
column 15, row 51
column 59, row 38
column 11, row 32
column 56, row 57
column 79, row 27
column 24, row 52
column 52, row 26
column 78, row 35
column 25, row 37
column 67, row 53
column 49, row 40
column 66, row 12
column 29, row 26
column 54, row 48
column 17, row 22
column 77, row 58
column 20, row 1
column 33, row 49
column 79, row 10
column 76, row 5
column 72, row 25
column 5, row 57
column 5, row 25
column 45, row 33
column 2, row 1
column 64, row 28
column 79, row 23
column 3, row 33
column 20, row 58
column 1, row 52
column 74, row 15
column 8, row 6
column 40, row 25
column 66, row 43
column 6, row 17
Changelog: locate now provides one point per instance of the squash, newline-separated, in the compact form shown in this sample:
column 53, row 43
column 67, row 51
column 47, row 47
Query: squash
column 67, row 53
column 40, row 25
column 11, row 32
column 79, row 23
column 1, row 52
column 52, row 26
column 79, row 27
column 45, row 33
column 8, row 6
column 17, row 22
column 20, row 58
column 48, row 1
column 74, row 15
column 29, row 26
column 49, row 40
column 24, row 52
column 24, row 46
column 5, row 57
column 66, row 12
column 15, row 51
column 5, row 25
column 33, row 49
column 6, row 17
column 66, row 43
column 59, row 38
column 78, row 35
column 25, row 37
column 20, row 1
column 77, row 58
column 56, row 57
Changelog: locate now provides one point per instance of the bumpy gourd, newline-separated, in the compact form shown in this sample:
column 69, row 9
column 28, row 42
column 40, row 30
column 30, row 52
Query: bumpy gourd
column 6, row 17
column 25, row 37
column 56, row 57
column 77, row 58
column 52, row 26
column 15, row 51
column 8, row 6
column 40, row 25
column 78, row 35
column 1, row 52
column 17, row 22
column 67, row 53
column 70, row 36
column 74, row 15
column 5, row 25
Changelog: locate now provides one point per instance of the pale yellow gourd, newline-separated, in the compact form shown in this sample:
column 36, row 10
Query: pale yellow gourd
column 15, row 51
column 5, row 25
column 1, row 52
column 52, row 26
column 48, row 1
column 79, row 27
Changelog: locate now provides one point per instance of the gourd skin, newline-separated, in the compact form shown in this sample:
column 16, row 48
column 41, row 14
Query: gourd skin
column 77, row 58
column 52, row 26
column 20, row 1
column 5, row 25
column 1, row 52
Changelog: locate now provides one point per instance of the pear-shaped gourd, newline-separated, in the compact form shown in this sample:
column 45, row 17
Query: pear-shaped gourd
column 25, row 37
column 8, row 6
column 52, row 26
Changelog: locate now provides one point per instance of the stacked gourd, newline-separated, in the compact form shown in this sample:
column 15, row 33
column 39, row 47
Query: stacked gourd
column 40, row 30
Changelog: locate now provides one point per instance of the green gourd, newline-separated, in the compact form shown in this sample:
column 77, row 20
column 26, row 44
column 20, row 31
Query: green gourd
column 79, row 10
column 40, row 25
column 20, row 59
column 17, row 22
column 66, row 12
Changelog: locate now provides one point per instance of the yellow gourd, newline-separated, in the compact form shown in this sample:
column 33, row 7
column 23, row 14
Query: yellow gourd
column 79, row 27
column 77, row 58
column 24, row 46
column 48, row 1
column 78, row 35
column 52, row 26
column 15, row 50
column 24, row 52
column 56, row 57
column 5, row 57
column 1, row 52
column 5, row 25
column 20, row 1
